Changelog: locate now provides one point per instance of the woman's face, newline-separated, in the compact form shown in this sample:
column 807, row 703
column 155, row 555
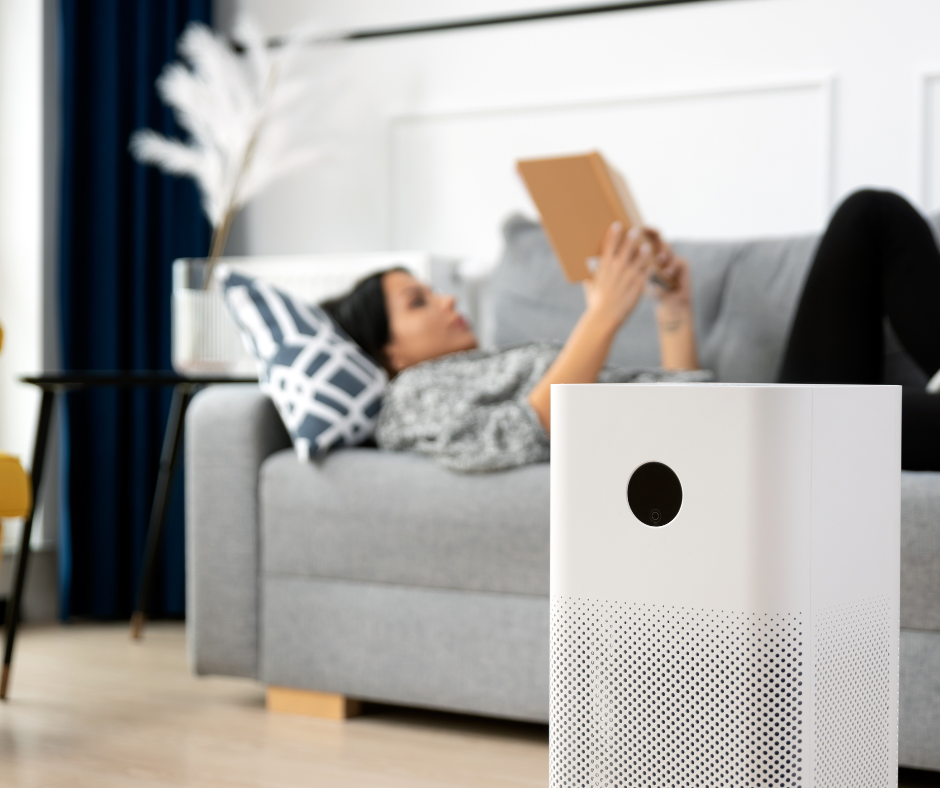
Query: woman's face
column 422, row 324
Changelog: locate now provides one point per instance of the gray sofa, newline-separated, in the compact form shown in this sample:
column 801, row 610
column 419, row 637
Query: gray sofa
column 386, row 577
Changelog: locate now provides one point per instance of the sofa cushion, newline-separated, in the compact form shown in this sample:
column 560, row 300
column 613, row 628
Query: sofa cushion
column 533, row 300
column 920, row 551
column 326, row 390
column 746, row 341
column 744, row 294
column 419, row 524
column 368, row 515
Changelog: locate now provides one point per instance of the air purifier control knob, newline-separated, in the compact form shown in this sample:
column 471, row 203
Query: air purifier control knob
column 654, row 494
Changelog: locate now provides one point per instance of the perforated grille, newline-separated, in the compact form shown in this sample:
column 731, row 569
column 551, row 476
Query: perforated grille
column 853, row 723
column 643, row 695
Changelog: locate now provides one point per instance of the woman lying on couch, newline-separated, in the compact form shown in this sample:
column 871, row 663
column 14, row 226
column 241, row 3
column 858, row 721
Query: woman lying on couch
column 488, row 410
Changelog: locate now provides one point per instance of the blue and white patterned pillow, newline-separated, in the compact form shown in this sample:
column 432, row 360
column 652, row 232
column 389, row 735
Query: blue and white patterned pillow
column 326, row 389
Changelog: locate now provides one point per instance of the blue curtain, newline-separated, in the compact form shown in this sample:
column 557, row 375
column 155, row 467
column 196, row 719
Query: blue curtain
column 121, row 227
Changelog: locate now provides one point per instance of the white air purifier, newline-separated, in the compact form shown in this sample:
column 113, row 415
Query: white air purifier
column 725, row 572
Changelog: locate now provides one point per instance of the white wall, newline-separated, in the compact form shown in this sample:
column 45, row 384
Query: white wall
column 732, row 117
column 21, row 225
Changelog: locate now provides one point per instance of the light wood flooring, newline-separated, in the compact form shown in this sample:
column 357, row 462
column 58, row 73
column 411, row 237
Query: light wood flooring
column 91, row 709
column 88, row 707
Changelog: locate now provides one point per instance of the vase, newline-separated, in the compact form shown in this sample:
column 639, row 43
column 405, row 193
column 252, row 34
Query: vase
column 205, row 339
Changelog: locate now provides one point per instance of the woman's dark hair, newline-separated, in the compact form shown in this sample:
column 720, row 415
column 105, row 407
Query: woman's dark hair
column 361, row 313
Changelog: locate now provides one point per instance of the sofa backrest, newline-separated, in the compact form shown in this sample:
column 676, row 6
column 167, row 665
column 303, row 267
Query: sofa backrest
column 745, row 294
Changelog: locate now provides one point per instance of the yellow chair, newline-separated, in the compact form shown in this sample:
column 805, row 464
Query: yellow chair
column 16, row 494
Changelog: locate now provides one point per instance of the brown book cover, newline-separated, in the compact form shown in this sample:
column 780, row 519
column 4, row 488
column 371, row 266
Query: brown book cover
column 578, row 198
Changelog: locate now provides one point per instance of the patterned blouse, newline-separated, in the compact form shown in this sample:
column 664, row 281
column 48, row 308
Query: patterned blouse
column 470, row 412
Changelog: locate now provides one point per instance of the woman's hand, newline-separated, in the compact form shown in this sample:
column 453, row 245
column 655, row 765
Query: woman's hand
column 611, row 294
column 627, row 260
column 671, row 270
column 621, row 275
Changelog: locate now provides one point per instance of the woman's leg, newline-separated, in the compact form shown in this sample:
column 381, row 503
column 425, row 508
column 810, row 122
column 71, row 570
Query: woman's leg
column 877, row 257
column 920, row 430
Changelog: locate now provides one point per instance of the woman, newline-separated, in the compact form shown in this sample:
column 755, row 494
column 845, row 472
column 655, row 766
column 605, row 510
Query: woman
column 476, row 410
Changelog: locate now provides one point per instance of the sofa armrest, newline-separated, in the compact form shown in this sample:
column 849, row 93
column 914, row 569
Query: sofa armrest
column 230, row 430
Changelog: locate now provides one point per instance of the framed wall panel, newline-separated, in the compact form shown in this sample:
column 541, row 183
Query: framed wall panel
column 714, row 162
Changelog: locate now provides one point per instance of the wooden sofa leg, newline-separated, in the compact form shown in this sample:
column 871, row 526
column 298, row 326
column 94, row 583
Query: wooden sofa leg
column 325, row 705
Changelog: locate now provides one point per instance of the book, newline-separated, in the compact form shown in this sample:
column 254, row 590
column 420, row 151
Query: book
column 578, row 198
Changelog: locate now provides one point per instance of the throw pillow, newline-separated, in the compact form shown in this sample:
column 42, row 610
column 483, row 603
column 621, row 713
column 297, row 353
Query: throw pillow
column 326, row 389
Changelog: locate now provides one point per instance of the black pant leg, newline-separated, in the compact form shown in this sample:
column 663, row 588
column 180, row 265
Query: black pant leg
column 877, row 257
column 920, row 431
column 911, row 275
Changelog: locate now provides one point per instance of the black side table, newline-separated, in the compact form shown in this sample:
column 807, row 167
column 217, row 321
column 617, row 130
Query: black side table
column 53, row 383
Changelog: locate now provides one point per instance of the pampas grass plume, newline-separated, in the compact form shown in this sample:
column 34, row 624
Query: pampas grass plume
column 247, row 115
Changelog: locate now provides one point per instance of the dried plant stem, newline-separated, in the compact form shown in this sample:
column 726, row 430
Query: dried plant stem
column 217, row 246
column 219, row 239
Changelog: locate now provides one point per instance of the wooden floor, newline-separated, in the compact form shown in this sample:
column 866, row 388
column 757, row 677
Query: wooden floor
column 89, row 708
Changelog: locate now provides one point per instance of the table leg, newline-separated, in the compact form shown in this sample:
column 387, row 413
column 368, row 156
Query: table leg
column 13, row 604
column 168, row 456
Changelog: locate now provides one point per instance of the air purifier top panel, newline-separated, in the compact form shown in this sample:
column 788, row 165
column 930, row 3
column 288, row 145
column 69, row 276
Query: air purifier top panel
column 780, row 494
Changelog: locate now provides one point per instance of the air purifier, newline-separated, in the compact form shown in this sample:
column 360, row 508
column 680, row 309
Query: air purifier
column 725, row 572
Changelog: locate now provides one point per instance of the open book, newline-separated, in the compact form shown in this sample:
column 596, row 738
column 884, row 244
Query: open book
column 578, row 198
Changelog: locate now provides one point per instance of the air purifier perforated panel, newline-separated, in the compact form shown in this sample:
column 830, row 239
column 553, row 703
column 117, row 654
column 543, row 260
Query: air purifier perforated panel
column 647, row 695
column 853, row 663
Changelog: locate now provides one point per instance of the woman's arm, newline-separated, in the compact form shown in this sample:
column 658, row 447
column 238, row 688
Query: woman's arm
column 674, row 312
column 611, row 294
